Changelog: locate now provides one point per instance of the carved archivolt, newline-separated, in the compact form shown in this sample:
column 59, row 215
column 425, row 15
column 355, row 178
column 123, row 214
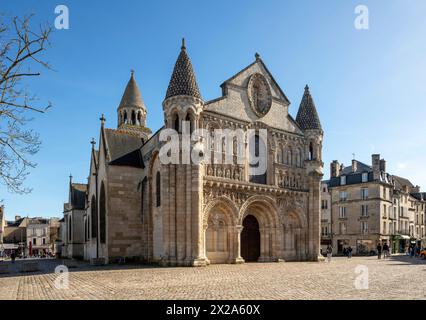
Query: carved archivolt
column 266, row 208
column 224, row 204
column 292, row 206
column 210, row 194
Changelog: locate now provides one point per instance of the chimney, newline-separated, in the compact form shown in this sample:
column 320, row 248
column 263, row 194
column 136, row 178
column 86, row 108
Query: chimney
column 383, row 165
column 416, row 189
column 375, row 164
column 17, row 217
column 334, row 169
column 354, row 165
column 341, row 168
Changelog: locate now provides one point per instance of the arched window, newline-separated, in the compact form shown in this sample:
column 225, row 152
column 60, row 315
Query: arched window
column 261, row 154
column 280, row 154
column 125, row 116
column 102, row 215
column 143, row 197
column 298, row 158
column 311, row 151
column 69, row 228
column 289, row 157
column 139, row 118
column 133, row 117
column 158, row 188
column 86, row 229
column 94, row 217
column 175, row 122
column 191, row 125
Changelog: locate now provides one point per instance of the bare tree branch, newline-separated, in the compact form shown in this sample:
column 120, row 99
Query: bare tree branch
column 21, row 50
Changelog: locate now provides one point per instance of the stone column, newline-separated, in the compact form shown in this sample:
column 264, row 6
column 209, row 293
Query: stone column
column 314, row 220
column 205, row 226
column 263, row 245
column 172, row 218
column 180, row 213
column 188, row 233
column 238, row 258
column 198, row 234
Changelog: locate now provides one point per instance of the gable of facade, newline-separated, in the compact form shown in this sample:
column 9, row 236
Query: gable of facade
column 235, row 101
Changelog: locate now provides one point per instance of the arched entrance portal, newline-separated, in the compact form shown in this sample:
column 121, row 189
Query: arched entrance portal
column 250, row 239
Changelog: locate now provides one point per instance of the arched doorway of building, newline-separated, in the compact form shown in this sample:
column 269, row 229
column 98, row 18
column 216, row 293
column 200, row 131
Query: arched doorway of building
column 250, row 239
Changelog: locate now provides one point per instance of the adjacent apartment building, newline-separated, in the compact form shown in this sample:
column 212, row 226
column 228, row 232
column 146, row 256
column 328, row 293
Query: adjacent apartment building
column 28, row 236
column 363, row 205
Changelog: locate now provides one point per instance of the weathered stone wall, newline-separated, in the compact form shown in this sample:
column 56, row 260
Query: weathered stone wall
column 124, row 213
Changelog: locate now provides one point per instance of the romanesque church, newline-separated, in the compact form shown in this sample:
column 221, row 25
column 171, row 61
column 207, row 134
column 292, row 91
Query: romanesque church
column 136, row 207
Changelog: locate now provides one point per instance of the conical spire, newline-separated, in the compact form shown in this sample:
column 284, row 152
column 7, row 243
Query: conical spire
column 132, row 97
column 183, row 80
column 307, row 116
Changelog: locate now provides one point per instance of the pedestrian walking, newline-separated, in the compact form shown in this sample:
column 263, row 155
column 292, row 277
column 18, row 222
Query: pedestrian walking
column 349, row 252
column 411, row 251
column 13, row 256
column 385, row 251
column 379, row 251
column 329, row 253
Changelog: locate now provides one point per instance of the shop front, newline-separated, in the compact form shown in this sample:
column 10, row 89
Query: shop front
column 365, row 247
column 404, row 244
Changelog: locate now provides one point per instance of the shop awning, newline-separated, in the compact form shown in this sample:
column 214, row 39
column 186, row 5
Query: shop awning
column 10, row 246
column 404, row 237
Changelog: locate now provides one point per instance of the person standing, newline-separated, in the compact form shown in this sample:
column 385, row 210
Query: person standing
column 379, row 251
column 329, row 253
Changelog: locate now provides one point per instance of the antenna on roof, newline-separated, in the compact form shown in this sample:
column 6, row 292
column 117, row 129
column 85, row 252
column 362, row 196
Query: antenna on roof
column 353, row 156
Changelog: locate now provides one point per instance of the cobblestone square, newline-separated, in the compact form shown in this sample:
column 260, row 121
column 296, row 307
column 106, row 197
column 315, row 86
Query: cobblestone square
column 399, row 277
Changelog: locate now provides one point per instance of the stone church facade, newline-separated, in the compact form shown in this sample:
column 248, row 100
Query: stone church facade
column 197, row 214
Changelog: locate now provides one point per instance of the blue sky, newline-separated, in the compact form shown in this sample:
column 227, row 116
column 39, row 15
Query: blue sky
column 369, row 86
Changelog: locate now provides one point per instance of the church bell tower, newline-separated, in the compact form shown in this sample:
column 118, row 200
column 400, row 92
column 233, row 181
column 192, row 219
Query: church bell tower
column 132, row 111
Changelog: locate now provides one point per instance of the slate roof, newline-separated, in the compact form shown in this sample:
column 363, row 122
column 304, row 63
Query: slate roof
column 361, row 167
column 78, row 195
column 401, row 182
column 419, row 195
column 307, row 116
column 15, row 223
column 124, row 148
column 132, row 96
column 183, row 81
column 38, row 221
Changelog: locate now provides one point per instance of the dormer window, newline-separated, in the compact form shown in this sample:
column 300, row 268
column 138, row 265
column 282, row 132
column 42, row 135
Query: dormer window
column 365, row 177
column 342, row 180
